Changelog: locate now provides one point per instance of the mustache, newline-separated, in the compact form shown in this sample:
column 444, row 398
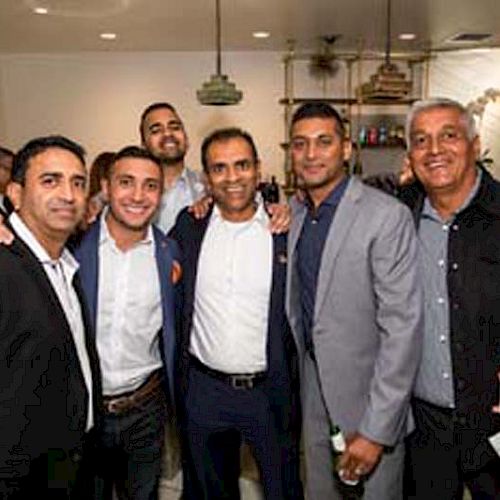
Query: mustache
column 166, row 140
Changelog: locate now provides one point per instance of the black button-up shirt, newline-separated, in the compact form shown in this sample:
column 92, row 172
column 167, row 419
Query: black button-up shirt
column 310, row 250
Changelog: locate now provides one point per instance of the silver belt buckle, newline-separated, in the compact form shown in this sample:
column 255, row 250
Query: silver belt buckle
column 242, row 381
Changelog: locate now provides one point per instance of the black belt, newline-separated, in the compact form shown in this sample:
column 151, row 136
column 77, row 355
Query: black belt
column 235, row 380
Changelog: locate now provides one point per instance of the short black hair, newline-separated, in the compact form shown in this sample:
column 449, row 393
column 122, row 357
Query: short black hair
column 5, row 152
column 39, row 145
column 133, row 152
column 318, row 109
column 225, row 134
column 153, row 107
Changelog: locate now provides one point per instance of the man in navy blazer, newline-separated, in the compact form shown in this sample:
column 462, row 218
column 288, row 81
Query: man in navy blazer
column 127, row 272
column 236, row 351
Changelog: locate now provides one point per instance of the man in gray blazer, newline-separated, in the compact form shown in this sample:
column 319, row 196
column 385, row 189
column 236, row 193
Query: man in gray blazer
column 355, row 307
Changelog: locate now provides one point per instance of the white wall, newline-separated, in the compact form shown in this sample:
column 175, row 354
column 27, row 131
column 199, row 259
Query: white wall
column 96, row 98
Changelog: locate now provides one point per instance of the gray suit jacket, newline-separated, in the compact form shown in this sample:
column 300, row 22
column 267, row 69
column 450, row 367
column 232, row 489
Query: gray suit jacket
column 367, row 327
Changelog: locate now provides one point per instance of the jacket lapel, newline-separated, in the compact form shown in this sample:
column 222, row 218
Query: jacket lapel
column 87, row 254
column 345, row 216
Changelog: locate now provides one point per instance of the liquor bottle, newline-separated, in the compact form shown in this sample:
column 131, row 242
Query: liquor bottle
column 337, row 442
column 271, row 191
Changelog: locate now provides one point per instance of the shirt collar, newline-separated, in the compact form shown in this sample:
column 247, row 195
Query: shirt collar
column 428, row 211
column 22, row 230
column 105, row 235
column 260, row 216
column 333, row 199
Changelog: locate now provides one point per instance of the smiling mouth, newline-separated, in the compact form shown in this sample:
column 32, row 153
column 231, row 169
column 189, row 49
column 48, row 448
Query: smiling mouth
column 136, row 210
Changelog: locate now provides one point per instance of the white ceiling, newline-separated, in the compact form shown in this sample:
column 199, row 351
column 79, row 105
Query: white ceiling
column 159, row 25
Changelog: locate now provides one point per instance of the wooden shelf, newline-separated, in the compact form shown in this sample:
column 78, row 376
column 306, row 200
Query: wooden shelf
column 349, row 101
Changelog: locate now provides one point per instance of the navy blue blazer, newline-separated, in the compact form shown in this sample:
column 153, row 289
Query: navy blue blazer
column 282, row 378
column 166, row 251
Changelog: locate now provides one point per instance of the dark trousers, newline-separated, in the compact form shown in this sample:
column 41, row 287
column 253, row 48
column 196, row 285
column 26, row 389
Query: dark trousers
column 58, row 475
column 436, row 460
column 216, row 418
column 128, row 451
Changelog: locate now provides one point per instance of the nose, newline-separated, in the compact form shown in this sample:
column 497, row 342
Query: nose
column 232, row 174
column 310, row 150
column 137, row 193
column 67, row 191
column 435, row 144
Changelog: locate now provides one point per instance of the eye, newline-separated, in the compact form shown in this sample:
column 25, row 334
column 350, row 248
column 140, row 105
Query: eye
column 298, row 143
column 325, row 141
column 419, row 140
column 243, row 166
column 217, row 168
column 152, row 186
column 124, row 182
column 80, row 183
column 49, row 181
column 175, row 127
column 450, row 135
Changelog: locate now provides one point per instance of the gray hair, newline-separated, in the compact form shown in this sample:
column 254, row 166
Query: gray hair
column 440, row 102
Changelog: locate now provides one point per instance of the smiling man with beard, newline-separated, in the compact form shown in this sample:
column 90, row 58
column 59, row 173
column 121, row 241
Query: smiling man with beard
column 163, row 135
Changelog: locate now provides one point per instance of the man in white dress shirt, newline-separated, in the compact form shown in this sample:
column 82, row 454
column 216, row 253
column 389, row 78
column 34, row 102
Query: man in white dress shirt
column 49, row 375
column 163, row 135
column 127, row 269
column 237, row 355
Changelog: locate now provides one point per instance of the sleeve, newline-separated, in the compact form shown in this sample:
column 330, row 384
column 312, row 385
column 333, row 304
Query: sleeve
column 399, row 315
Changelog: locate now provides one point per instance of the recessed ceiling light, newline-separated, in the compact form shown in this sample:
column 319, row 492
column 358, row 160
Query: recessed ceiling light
column 108, row 36
column 40, row 10
column 261, row 34
column 407, row 36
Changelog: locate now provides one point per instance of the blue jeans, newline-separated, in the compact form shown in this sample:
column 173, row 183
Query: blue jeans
column 128, row 451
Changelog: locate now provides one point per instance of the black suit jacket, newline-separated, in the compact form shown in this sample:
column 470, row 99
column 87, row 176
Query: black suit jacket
column 474, row 292
column 282, row 381
column 43, row 397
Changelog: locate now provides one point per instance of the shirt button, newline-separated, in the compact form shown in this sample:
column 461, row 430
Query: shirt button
column 440, row 300
column 459, row 347
column 456, row 307
column 445, row 227
column 442, row 339
column 446, row 376
column 441, row 263
column 455, row 227
column 461, row 385
column 454, row 266
column 314, row 221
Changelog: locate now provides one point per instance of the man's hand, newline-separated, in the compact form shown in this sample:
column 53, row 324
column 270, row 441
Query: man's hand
column 201, row 207
column 6, row 236
column 281, row 217
column 496, row 408
column 360, row 457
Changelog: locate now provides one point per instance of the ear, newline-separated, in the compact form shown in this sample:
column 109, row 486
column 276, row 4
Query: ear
column 476, row 147
column 14, row 192
column 347, row 149
column 105, row 188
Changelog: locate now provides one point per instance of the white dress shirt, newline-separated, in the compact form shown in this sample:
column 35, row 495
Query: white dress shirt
column 61, row 273
column 233, row 285
column 129, row 313
column 187, row 189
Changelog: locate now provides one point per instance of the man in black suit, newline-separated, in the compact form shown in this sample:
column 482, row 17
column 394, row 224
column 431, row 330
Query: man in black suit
column 237, row 356
column 49, row 376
